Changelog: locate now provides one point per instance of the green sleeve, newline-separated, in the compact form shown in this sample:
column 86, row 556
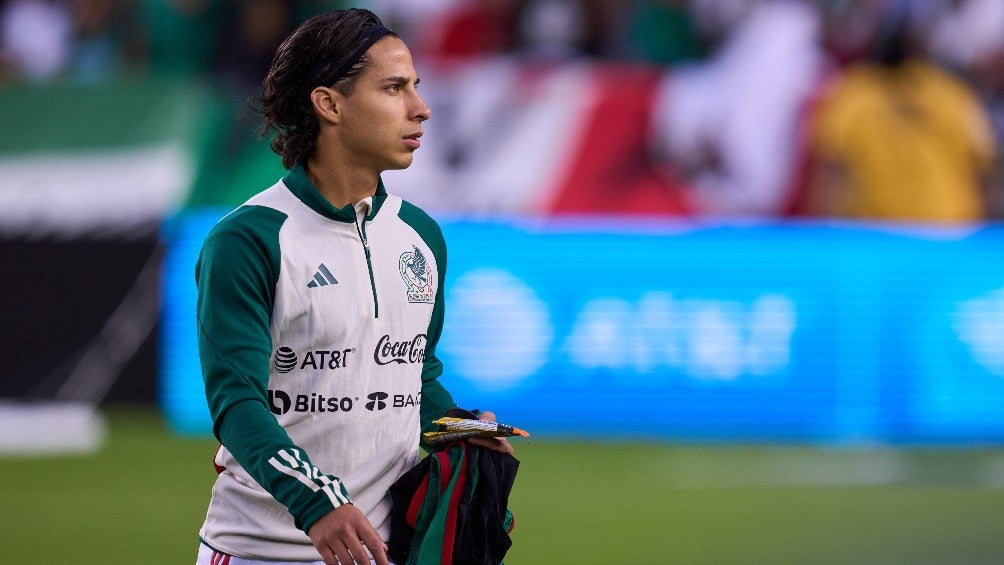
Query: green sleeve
column 236, row 276
column 436, row 400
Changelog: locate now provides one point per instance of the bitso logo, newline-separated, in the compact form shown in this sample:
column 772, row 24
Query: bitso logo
column 417, row 276
column 280, row 402
column 376, row 401
column 409, row 351
column 285, row 360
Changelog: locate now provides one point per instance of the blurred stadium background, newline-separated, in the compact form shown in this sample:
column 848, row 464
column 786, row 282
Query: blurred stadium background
column 713, row 370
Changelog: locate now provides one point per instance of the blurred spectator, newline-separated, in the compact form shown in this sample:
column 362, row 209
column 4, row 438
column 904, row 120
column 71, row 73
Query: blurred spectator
column 898, row 138
column 725, row 124
column 547, row 30
column 729, row 124
column 556, row 30
column 35, row 39
column 247, row 36
column 968, row 33
column 968, row 37
column 715, row 20
column 412, row 20
column 105, row 41
column 851, row 28
column 180, row 35
column 661, row 32
column 552, row 29
column 250, row 32
column 456, row 28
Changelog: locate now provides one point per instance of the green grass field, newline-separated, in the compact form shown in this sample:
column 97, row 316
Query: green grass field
column 142, row 499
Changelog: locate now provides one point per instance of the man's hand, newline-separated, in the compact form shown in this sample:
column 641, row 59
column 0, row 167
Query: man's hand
column 496, row 443
column 339, row 536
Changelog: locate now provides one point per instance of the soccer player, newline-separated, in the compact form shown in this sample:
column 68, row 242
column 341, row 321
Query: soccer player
column 320, row 304
column 898, row 138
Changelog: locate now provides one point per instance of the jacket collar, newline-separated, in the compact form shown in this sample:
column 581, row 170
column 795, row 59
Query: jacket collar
column 298, row 183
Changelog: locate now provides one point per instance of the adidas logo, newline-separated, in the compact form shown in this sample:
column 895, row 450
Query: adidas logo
column 322, row 277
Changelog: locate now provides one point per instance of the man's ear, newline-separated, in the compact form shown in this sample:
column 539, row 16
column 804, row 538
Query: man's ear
column 327, row 104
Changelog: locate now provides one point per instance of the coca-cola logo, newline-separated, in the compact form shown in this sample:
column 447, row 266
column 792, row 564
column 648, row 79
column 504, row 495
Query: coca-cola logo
column 408, row 351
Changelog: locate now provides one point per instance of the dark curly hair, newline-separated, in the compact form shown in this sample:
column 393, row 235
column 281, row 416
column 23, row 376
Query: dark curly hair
column 315, row 52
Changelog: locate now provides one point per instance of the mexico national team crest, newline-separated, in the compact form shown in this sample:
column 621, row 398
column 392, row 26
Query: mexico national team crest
column 417, row 275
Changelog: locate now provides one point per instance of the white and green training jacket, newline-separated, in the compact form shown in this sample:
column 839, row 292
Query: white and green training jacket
column 317, row 336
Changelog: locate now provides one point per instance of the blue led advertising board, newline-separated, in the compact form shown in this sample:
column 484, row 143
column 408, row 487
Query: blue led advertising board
column 642, row 329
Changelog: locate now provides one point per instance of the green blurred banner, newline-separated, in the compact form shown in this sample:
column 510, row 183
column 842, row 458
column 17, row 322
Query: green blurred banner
column 119, row 157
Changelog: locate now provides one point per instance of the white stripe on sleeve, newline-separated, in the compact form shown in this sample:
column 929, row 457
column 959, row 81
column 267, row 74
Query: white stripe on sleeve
column 309, row 475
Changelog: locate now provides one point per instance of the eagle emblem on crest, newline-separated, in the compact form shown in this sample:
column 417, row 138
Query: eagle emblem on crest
column 417, row 276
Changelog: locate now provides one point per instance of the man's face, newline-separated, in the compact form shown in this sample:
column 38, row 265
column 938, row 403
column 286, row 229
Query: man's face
column 382, row 118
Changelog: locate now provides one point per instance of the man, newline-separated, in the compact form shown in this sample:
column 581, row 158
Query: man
column 320, row 306
column 896, row 138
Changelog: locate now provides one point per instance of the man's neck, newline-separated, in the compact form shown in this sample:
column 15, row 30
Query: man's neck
column 339, row 185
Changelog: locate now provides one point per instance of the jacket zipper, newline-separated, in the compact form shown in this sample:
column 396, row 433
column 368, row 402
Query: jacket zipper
column 361, row 229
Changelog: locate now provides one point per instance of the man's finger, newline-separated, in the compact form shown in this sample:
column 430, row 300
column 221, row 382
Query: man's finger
column 494, row 443
column 377, row 549
column 328, row 556
column 358, row 553
column 342, row 554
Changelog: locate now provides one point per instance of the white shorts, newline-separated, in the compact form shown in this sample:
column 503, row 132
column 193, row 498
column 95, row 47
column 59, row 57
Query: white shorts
column 209, row 556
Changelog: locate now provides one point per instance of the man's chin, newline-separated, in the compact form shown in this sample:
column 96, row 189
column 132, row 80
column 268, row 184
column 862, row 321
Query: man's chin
column 401, row 163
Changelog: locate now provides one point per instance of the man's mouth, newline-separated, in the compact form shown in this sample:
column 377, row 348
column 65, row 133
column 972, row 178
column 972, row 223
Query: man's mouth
column 412, row 140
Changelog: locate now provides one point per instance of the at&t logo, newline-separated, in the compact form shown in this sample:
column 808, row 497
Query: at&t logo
column 285, row 359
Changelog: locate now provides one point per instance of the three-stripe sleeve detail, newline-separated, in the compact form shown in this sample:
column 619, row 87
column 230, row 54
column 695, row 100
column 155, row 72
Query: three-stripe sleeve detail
column 293, row 465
